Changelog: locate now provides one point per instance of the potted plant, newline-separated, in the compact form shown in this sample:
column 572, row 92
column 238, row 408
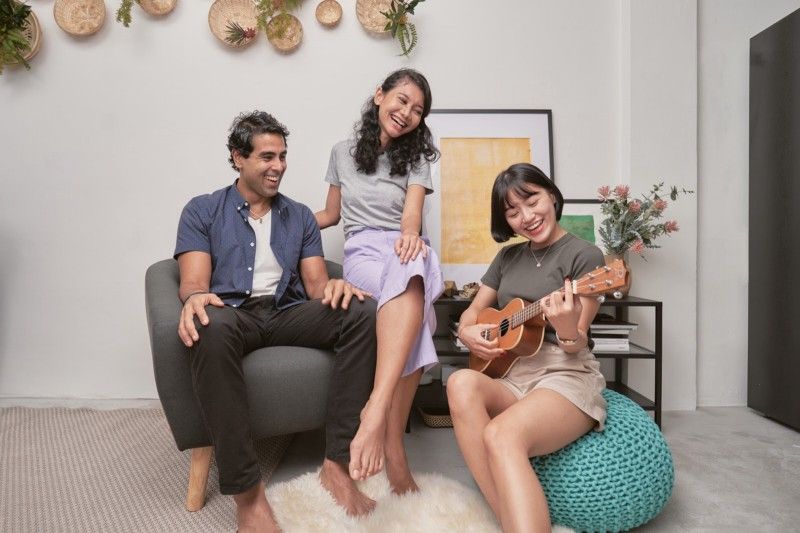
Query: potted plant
column 14, row 45
column 632, row 225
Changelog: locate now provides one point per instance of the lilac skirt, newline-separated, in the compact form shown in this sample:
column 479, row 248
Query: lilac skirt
column 371, row 264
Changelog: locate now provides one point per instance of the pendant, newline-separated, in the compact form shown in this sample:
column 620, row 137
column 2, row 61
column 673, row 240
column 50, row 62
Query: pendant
column 538, row 265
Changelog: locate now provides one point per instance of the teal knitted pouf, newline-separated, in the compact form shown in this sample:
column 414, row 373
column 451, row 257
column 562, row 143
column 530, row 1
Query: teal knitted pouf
column 612, row 480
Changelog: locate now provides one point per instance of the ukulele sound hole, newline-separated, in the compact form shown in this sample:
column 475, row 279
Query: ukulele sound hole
column 504, row 327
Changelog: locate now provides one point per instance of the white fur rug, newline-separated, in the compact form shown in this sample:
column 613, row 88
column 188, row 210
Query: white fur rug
column 301, row 505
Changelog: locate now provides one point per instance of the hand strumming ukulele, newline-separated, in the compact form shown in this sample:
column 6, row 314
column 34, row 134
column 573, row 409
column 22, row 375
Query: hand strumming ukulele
column 520, row 325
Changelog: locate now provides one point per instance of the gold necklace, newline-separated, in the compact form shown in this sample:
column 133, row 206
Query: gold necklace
column 539, row 261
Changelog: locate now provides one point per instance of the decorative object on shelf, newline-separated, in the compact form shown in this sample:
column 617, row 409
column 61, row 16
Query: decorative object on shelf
column 285, row 32
column 631, row 225
column 399, row 25
column 152, row 7
column 329, row 13
column 450, row 288
column 20, row 34
column 234, row 22
column 157, row 8
column 79, row 18
column 469, row 290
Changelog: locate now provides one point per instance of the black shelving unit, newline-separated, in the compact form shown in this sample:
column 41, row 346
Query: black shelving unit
column 619, row 384
column 432, row 397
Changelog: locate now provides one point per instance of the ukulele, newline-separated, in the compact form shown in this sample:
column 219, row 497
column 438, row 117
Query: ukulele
column 520, row 325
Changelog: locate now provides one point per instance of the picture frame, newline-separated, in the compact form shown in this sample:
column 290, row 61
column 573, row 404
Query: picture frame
column 475, row 145
column 575, row 215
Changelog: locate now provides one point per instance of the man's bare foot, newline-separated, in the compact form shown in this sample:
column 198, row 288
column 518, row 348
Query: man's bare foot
column 398, row 473
column 253, row 513
column 334, row 478
column 366, row 449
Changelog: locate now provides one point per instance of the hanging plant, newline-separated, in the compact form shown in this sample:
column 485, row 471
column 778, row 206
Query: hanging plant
column 124, row 12
column 238, row 35
column 273, row 16
column 152, row 7
column 399, row 26
column 13, row 44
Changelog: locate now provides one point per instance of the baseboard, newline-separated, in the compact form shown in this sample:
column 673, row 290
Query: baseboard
column 85, row 403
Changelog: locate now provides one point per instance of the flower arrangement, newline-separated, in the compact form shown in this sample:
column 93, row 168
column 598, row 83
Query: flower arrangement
column 633, row 224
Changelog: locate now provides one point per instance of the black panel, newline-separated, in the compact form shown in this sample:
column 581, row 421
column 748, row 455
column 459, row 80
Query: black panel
column 774, row 250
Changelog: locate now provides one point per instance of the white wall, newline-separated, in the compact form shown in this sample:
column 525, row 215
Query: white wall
column 106, row 138
column 725, row 29
column 660, row 144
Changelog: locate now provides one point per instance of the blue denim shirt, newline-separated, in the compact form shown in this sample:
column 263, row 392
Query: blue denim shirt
column 217, row 224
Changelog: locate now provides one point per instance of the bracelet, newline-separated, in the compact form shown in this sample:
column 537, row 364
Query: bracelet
column 567, row 342
column 204, row 292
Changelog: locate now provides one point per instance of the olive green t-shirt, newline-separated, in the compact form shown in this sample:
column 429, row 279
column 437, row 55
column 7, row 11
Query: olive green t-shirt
column 514, row 274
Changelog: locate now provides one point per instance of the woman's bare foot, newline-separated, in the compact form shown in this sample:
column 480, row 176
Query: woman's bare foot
column 366, row 449
column 253, row 513
column 398, row 473
column 335, row 479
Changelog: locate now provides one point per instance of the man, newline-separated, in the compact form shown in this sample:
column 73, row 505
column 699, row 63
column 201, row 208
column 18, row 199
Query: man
column 252, row 275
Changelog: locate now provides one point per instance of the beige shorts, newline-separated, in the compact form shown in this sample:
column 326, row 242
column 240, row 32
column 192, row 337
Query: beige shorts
column 576, row 376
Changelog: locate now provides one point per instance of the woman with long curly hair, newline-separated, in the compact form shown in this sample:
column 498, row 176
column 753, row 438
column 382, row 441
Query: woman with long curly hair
column 377, row 183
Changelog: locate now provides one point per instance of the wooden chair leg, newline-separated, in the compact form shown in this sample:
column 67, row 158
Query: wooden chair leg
column 198, row 478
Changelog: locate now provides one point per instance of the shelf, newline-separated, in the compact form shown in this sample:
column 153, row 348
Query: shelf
column 446, row 346
column 432, row 398
column 644, row 402
column 630, row 301
column 636, row 352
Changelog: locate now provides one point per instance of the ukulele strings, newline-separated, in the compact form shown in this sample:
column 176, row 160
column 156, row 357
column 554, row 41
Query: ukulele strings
column 530, row 311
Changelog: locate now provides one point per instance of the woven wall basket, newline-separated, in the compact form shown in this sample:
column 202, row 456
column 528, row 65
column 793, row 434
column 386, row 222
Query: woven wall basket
column 369, row 14
column 329, row 13
column 292, row 33
column 223, row 12
column 79, row 17
column 33, row 34
column 158, row 7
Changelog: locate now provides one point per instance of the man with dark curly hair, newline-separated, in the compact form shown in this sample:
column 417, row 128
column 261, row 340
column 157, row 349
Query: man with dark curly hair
column 252, row 274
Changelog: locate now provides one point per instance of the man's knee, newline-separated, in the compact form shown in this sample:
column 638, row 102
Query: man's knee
column 221, row 323
column 365, row 311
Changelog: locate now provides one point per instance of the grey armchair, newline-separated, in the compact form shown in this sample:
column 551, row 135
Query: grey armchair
column 273, row 377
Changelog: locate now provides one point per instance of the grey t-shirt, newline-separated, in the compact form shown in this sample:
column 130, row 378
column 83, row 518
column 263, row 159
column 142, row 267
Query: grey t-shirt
column 372, row 200
column 514, row 274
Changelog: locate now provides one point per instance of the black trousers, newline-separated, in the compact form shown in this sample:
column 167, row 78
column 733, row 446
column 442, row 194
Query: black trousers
column 218, row 380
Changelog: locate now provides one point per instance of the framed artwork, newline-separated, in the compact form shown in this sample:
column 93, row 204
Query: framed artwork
column 582, row 217
column 475, row 145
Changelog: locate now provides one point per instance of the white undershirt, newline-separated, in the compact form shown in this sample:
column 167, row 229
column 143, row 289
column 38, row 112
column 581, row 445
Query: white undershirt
column 266, row 271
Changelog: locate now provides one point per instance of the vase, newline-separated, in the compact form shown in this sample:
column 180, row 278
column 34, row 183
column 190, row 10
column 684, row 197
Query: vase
column 621, row 292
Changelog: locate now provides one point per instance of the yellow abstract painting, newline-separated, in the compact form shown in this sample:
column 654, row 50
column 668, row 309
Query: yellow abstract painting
column 468, row 169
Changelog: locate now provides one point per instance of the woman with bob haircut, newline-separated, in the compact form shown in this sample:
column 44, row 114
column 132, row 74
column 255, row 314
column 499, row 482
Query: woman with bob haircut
column 546, row 400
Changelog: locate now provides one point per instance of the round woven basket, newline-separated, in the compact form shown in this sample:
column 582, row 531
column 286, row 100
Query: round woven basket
column 329, row 13
column 158, row 7
column 370, row 16
column 224, row 12
column 33, row 34
column 79, row 17
column 292, row 32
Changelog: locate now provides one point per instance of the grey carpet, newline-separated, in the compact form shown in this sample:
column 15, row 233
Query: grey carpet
column 89, row 470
